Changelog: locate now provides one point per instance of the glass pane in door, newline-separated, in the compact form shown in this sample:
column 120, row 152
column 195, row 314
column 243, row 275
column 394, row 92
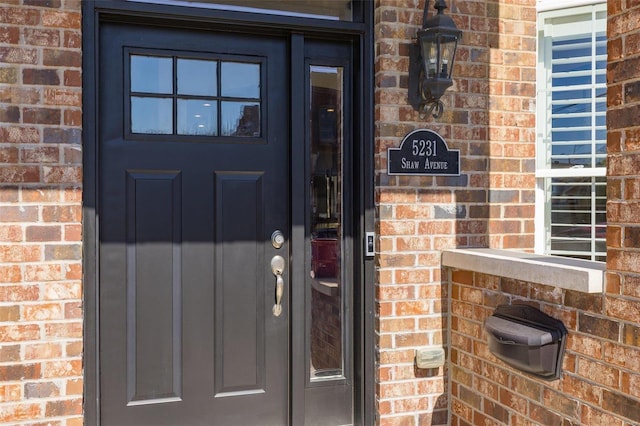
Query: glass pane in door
column 326, row 223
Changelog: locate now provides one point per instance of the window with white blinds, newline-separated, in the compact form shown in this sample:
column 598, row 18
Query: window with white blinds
column 571, row 148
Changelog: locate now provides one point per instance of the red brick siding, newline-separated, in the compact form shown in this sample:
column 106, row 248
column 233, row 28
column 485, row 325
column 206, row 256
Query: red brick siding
column 601, row 369
column 623, row 162
column 490, row 117
column 40, row 213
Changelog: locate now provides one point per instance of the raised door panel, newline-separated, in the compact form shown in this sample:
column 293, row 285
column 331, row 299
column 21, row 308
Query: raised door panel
column 240, row 307
column 153, row 286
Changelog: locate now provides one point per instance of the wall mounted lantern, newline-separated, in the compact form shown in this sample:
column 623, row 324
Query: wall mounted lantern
column 431, row 60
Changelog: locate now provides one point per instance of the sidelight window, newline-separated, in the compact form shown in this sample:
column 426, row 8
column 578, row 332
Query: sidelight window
column 171, row 95
column 327, row 223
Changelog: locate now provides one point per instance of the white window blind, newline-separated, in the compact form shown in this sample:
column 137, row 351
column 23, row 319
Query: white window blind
column 571, row 149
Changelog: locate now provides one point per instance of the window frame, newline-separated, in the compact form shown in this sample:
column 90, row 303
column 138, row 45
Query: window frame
column 567, row 11
column 175, row 55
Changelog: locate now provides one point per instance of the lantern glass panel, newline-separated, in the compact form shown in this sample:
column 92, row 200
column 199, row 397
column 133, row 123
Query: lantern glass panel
column 447, row 44
column 429, row 48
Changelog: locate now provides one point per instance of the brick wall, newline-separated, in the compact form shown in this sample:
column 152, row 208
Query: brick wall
column 600, row 384
column 622, row 298
column 490, row 117
column 601, row 380
column 623, row 167
column 40, row 213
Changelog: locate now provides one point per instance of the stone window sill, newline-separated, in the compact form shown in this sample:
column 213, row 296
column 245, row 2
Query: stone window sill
column 563, row 272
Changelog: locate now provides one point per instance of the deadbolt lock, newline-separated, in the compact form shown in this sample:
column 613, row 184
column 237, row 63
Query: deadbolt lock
column 277, row 239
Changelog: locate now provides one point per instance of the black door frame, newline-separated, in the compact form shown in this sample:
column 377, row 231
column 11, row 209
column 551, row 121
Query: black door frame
column 361, row 35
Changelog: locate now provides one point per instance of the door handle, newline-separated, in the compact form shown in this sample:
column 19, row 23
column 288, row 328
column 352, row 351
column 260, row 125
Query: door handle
column 277, row 267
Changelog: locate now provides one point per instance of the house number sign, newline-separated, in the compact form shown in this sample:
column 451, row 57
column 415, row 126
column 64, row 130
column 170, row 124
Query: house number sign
column 423, row 152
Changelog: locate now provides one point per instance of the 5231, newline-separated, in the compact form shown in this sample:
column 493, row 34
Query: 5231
column 423, row 148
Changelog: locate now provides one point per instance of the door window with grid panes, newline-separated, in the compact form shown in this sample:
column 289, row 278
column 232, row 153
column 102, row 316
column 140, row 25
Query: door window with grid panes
column 571, row 132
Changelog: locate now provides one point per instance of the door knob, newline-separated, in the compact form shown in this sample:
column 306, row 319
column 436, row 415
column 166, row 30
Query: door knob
column 277, row 268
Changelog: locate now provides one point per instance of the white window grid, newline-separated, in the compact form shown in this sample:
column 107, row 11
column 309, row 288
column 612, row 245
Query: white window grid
column 571, row 130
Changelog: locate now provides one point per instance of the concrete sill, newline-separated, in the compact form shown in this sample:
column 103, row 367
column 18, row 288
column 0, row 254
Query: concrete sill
column 571, row 274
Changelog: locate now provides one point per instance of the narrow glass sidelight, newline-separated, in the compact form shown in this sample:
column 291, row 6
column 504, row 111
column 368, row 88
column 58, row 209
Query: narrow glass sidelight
column 326, row 332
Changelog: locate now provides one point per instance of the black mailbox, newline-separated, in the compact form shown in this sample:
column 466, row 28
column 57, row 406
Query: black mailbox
column 527, row 339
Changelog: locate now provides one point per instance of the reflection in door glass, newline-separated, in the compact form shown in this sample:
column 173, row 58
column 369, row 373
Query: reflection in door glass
column 151, row 74
column 326, row 124
column 197, row 117
column 240, row 119
column 197, row 77
column 151, row 115
column 240, row 80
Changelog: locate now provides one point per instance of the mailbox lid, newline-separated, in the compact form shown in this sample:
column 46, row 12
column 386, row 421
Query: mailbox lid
column 524, row 324
column 509, row 332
